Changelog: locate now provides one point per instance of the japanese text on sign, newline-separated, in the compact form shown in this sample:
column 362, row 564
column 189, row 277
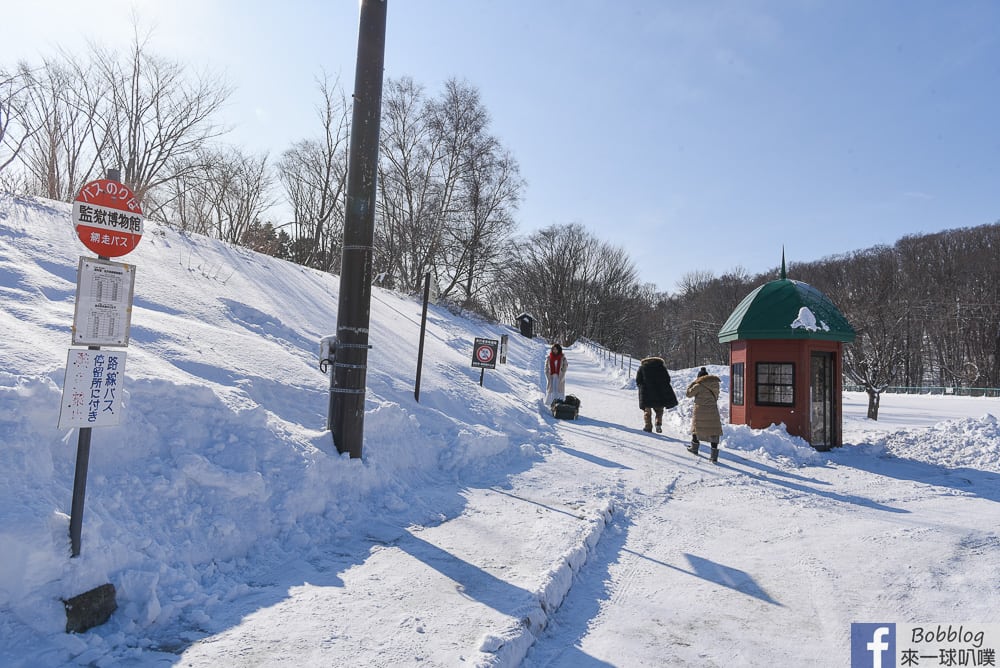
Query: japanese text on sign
column 92, row 390
column 111, row 219
column 110, row 194
column 108, row 218
column 103, row 303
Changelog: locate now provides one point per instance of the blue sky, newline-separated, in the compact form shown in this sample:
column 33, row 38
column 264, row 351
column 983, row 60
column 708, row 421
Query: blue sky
column 699, row 136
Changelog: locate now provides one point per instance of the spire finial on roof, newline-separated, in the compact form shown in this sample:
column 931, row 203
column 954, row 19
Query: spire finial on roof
column 783, row 275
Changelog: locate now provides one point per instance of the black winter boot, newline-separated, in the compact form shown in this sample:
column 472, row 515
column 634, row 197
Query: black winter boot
column 714, row 458
column 693, row 448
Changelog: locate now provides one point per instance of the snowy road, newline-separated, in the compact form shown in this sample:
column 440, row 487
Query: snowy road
column 619, row 548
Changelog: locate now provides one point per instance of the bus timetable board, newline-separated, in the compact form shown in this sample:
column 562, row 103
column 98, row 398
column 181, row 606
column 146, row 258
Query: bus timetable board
column 104, row 293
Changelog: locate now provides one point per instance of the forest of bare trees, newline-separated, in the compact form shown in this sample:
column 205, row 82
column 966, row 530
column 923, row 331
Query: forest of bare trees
column 925, row 309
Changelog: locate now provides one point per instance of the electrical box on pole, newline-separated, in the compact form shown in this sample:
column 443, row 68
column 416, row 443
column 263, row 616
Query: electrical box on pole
column 350, row 366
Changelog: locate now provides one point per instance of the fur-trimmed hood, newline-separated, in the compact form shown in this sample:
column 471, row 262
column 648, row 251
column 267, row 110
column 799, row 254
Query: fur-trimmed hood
column 705, row 419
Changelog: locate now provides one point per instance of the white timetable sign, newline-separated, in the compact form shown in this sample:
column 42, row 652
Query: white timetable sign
column 103, row 303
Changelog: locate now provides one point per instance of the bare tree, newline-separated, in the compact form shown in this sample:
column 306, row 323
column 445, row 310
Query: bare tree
column 576, row 286
column 949, row 278
column 478, row 244
column 654, row 332
column 874, row 358
column 480, row 186
column 698, row 311
column 314, row 176
column 694, row 282
column 16, row 127
column 545, row 276
column 244, row 185
column 186, row 202
column 58, row 158
column 866, row 287
column 612, row 296
column 447, row 192
column 149, row 113
column 409, row 221
column 222, row 195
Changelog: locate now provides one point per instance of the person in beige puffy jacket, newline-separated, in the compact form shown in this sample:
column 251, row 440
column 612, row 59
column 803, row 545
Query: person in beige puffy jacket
column 706, row 422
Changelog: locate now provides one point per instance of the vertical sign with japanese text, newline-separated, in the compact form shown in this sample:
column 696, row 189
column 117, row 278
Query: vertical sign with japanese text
column 92, row 391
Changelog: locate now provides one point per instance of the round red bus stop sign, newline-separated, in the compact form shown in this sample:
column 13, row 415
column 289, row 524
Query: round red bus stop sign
column 108, row 218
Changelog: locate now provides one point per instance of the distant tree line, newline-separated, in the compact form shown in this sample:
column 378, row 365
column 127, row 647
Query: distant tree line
column 926, row 309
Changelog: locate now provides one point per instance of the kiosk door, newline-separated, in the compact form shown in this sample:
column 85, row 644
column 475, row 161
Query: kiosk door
column 821, row 400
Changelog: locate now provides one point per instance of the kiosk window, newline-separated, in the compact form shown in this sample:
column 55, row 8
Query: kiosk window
column 737, row 384
column 775, row 384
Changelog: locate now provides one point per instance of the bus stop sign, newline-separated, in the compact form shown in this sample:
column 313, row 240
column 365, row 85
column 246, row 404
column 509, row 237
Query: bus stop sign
column 108, row 218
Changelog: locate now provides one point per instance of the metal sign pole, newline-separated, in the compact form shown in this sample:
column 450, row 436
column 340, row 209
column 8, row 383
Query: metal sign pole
column 423, row 330
column 83, row 456
column 79, row 487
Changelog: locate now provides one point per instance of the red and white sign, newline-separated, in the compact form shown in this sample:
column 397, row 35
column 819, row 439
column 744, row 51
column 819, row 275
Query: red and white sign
column 484, row 353
column 108, row 218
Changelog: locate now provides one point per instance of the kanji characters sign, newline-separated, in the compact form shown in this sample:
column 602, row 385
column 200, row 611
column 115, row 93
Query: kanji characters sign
column 92, row 389
column 108, row 218
column 104, row 291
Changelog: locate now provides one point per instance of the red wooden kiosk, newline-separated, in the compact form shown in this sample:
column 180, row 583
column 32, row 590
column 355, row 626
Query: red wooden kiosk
column 786, row 343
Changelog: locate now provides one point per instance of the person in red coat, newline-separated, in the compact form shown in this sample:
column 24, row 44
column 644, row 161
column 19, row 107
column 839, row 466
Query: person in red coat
column 555, row 375
column 655, row 391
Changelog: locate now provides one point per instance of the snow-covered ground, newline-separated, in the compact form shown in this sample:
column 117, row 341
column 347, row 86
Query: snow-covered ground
column 476, row 530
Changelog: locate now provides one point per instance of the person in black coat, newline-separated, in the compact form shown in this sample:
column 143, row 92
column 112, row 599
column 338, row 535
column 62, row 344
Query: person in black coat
column 655, row 392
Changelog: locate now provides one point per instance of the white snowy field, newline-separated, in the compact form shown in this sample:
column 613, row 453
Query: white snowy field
column 476, row 530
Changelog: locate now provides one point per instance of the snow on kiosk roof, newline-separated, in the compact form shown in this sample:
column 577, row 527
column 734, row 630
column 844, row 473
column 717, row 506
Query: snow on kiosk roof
column 775, row 311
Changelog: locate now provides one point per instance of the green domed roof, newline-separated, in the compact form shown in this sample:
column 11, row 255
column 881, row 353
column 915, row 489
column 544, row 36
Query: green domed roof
column 786, row 309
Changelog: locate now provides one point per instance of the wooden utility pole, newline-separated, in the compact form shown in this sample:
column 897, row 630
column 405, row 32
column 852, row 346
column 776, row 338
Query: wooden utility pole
column 348, row 386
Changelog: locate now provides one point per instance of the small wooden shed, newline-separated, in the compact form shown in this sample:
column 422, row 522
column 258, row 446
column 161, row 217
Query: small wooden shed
column 786, row 343
column 526, row 323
